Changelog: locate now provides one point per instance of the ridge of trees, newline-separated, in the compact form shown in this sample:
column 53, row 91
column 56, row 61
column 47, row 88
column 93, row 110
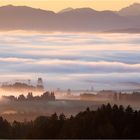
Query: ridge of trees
column 106, row 122
column 50, row 96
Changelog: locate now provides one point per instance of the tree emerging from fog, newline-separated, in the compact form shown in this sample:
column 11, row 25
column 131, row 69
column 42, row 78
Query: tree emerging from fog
column 48, row 96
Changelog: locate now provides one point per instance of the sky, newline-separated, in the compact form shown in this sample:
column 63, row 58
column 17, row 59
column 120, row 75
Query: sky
column 57, row 5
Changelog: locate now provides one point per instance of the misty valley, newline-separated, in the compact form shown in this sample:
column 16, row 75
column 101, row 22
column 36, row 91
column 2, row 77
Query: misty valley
column 57, row 76
column 69, row 69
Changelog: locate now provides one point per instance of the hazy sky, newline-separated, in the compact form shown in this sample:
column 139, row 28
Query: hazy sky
column 57, row 5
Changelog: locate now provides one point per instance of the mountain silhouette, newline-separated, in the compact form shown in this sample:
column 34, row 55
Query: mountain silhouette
column 132, row 10
column 67, row 20
column 66, row 10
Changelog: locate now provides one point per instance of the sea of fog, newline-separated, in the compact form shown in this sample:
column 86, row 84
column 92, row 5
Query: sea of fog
column 76, row 61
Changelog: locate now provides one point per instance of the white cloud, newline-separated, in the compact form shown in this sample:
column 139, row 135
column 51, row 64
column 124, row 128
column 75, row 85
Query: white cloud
column 78, row 58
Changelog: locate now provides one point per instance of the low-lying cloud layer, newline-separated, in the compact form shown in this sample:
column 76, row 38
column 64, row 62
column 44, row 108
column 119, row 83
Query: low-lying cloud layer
column 72, row 61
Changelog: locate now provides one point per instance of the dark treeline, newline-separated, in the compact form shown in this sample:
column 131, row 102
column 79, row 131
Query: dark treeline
column 46, row 96
column 106, row 122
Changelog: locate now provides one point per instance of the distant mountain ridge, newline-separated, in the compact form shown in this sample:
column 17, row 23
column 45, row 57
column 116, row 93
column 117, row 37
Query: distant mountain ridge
column 66, row 10
column 69, row 20
column 132, row 10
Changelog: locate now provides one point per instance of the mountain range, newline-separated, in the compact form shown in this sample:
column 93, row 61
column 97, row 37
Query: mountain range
column 70, row 20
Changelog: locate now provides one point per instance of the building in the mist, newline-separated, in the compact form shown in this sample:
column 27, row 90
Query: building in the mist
column 69, row 92
column 40, row 85
column 19, row 86
column 101, row 95
column 87, row 96
column 110, row 95
column 133, row 97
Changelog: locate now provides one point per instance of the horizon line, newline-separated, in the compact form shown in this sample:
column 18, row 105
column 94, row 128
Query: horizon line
column 68, row 7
